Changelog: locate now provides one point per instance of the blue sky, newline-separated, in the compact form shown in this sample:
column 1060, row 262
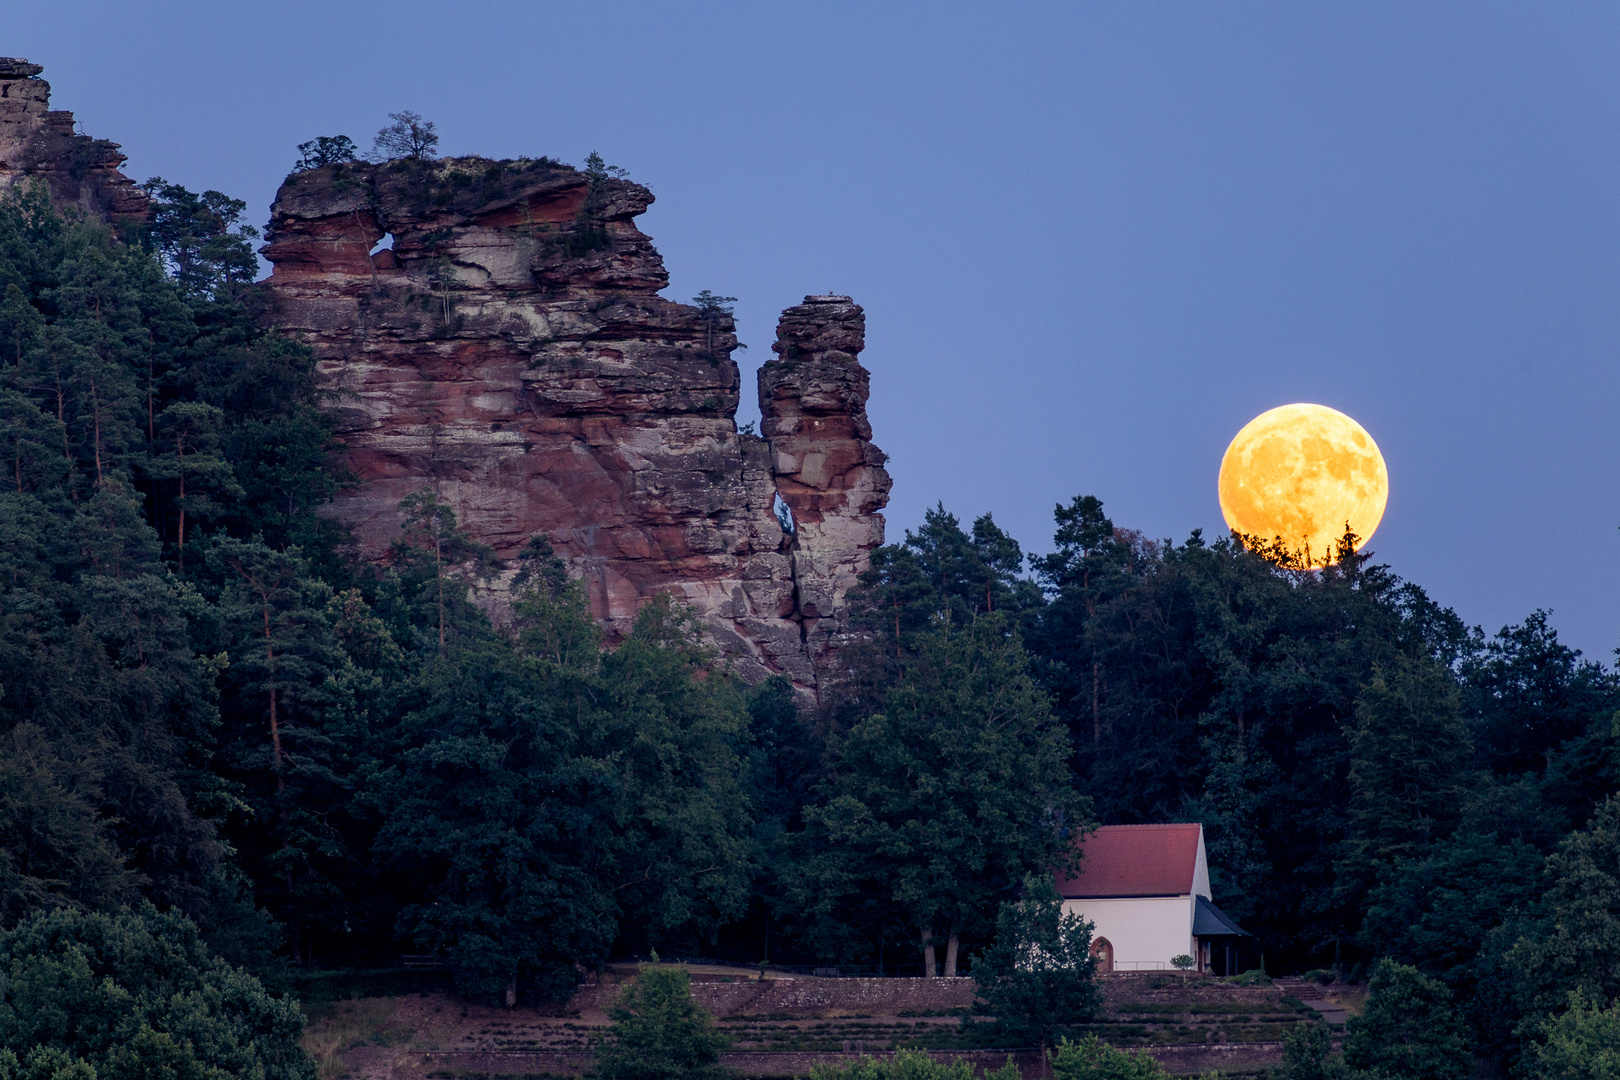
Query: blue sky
column 1092, row 240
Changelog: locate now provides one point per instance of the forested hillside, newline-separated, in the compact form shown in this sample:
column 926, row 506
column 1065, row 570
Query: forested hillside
column 226, row 737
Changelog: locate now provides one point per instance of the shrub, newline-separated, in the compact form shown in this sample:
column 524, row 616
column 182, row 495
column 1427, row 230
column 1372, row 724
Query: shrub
column 1307, row 1054
column 660, row 1033
column 1093, row 1059
column 908, row 1065
column 1182, row 962
column 1252, row 977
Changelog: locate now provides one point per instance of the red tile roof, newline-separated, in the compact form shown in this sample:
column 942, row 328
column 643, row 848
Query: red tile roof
column 1135, row 860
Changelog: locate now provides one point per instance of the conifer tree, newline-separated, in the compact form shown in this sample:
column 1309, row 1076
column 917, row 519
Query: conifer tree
column 325, row 150
column 201, row 240
column 189, row 435
column 1408, row 761
column 434, row 548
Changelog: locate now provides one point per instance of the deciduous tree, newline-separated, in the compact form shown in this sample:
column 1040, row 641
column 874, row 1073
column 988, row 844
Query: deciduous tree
column 1577, row 941
column 409, row 136
column 140, row 989
column 950, row 795
column 1580, row 1043
column 660, row 1033
column 1409, row 1030
column 1038, row 979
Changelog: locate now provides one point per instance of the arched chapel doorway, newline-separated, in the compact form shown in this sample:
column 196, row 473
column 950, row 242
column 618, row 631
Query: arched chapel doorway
column 1102, row 951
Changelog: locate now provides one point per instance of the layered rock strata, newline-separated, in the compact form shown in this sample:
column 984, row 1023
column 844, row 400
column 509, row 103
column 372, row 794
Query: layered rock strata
column 812, row 403
column 510, row 352
column 38, row 142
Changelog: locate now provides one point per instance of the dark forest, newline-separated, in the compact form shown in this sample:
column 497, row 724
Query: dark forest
column 229, row 746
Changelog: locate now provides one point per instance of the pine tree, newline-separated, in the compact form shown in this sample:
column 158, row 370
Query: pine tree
column 434, row 545
column 325, row 150
column 189, row 435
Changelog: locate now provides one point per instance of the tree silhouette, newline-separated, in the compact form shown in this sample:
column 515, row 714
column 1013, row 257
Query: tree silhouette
column 327, row 150
column 409, row 136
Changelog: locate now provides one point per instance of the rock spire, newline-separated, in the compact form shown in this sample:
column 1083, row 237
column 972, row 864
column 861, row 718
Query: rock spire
column 510, row 351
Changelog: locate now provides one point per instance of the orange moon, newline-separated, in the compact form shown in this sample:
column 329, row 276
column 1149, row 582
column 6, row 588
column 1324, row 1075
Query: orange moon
column 1299, row 473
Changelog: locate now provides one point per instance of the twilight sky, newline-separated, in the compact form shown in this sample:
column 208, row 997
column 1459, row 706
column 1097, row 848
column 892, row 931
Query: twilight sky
column 1092, row 240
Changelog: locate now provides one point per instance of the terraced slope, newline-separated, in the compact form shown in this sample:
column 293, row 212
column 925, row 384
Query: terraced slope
column 783, row 1027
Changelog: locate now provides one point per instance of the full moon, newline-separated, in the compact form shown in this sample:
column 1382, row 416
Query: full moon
column 1299, row 474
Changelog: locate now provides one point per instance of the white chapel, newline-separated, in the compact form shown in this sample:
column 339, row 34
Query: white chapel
column 1145, row 889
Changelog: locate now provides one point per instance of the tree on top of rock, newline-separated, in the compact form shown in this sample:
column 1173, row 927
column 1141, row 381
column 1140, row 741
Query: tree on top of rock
column 713, row 308
column 328, row 150
column 409, row 136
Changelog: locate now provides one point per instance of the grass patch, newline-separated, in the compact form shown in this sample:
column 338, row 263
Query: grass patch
column 1252, row 977
column 337, row 1027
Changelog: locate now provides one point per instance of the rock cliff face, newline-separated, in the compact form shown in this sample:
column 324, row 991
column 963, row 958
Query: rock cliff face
column 812, row 403
column 38, row 142
column 510, row 352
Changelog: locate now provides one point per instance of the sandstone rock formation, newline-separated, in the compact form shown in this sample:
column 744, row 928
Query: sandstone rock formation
column 38, row 142
column 812, row 403
column 510, row 352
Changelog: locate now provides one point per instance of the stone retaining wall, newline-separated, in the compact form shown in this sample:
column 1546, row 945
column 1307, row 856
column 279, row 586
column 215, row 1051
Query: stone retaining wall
column 1147, row 986
column 1185, row 1060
